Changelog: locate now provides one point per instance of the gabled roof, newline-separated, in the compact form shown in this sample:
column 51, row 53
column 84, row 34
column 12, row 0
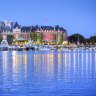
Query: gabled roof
column 16, row 25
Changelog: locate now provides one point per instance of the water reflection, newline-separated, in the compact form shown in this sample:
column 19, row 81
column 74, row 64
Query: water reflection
column 29, row 72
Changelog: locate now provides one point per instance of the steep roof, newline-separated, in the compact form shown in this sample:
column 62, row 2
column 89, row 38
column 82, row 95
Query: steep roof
column 26, row 29
column 47, row 28
column 16, row 25
column 57, row 27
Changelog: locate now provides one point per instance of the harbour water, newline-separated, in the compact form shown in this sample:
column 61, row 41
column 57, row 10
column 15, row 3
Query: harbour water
column 48, row 73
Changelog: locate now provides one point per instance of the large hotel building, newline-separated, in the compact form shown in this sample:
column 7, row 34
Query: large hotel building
column 39, row 34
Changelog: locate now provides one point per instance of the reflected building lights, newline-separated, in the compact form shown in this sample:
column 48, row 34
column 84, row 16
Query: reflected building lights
column 87, row 62
column 36, row 59
column 78, row 54
column 5, row 62
column 25, row 64
column 82, row 58
column 6, row 74
column 65, row 66
column 68, row 66
column 95, row 64
column 74, row 62
column 25, row 59
column 36, row 63
column 69, row 60
column 50, row 64
column 44, row 65
column 15, row 65
column 90, row 64
column 59, row 66
column 4, row 54
column 82, row 63
column 95, row 60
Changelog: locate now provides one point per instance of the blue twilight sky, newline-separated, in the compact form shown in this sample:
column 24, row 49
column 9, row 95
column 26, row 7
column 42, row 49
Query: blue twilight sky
column 76, row 16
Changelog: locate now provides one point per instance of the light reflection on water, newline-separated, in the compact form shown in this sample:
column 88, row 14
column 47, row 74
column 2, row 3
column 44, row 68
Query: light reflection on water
column 48, row 73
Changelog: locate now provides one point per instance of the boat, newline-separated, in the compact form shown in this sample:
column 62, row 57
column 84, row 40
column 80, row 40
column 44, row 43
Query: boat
column 43, row 47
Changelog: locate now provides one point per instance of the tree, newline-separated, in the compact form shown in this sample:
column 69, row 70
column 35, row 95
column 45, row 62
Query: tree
column 0, row 39
column 32, row 36
column 10, row 38
column 35, row 36
column 87, row 40
column 93, row 39
column 75, row 38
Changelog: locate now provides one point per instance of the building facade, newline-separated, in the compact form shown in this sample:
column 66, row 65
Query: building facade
column 39, row 34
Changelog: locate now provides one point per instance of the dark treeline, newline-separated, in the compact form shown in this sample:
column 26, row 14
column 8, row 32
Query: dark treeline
column 78, row 38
